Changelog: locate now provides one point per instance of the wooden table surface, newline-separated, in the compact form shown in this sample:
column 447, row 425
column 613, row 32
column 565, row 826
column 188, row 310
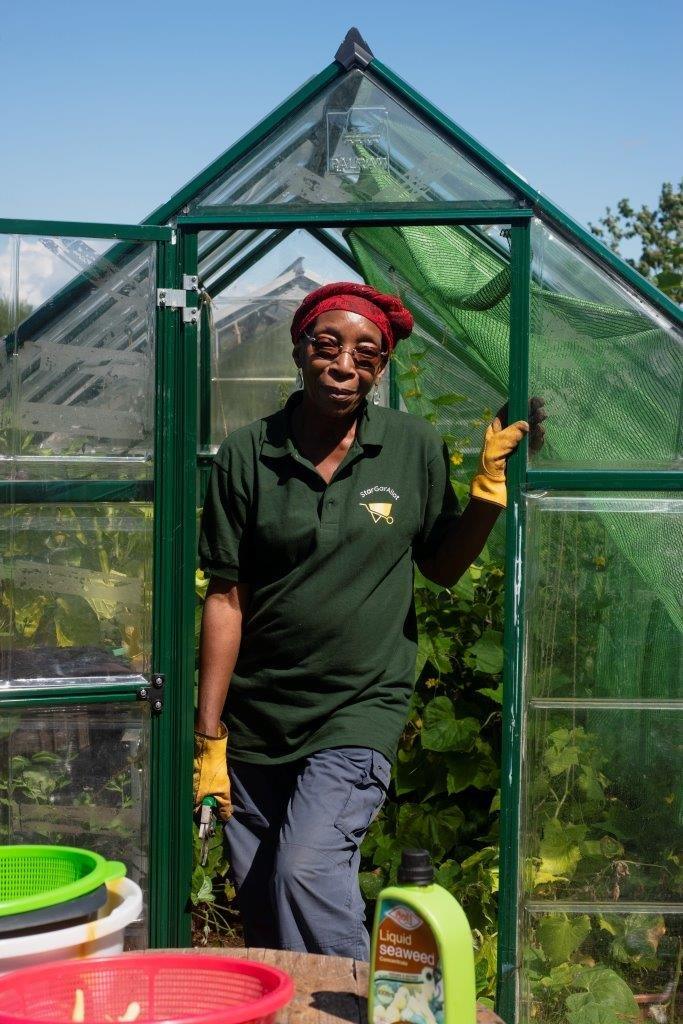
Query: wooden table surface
column 327, row 989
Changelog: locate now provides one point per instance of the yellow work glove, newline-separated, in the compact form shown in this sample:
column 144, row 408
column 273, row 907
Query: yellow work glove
column 210, row 771
column 488, row 483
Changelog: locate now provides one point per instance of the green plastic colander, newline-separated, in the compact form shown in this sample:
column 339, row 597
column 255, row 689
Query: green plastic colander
column 33, row 877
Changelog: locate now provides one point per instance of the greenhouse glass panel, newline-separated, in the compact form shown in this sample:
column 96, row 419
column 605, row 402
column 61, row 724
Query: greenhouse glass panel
column 75, row 594
column 607, row 363
column 252, row 370
column 78, row 776
column 604, row 579
column 623, row 967
column 355, row 142
column 604, row 804
column 77, row 360
column 219, row 251
column 601, row 800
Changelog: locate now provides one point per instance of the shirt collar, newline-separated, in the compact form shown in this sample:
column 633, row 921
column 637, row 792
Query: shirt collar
column 277, row 437
column 371, row 425
column 276, row 433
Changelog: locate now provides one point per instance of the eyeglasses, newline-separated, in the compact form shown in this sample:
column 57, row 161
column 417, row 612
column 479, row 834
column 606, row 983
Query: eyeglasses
column 365, row 357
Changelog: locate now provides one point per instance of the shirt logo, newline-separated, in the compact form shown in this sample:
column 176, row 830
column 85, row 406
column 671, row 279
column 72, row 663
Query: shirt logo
column 379, row 510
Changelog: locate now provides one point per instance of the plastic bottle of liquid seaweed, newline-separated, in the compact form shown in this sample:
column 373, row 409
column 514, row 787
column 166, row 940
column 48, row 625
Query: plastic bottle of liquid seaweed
column 422, row 959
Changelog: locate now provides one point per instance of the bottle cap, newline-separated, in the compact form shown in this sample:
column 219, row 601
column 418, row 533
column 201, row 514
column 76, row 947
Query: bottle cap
column 415, row 868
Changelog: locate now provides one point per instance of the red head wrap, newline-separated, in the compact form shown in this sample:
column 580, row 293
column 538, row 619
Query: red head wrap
column 386, row 311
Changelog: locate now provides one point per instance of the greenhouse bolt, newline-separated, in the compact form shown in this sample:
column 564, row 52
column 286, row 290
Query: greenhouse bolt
column 153, row 693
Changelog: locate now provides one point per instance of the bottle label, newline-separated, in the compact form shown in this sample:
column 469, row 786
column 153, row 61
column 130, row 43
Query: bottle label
column 407, row 985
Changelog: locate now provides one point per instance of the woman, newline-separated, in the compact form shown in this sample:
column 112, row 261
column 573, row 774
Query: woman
column 313, row 519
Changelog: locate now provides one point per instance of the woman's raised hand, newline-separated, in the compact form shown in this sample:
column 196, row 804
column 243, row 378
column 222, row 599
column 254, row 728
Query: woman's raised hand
column 500, row 441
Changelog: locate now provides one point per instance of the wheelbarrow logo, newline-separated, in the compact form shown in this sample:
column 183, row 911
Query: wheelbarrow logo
column 379, row 510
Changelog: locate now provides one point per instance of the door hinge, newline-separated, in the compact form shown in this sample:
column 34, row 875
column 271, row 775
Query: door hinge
column 154, row 693
column 177, row 298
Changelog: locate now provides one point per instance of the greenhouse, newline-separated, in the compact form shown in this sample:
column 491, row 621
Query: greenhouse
column 130, row 351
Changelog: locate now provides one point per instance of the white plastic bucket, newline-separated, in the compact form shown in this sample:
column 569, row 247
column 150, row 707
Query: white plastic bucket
column 101, row 937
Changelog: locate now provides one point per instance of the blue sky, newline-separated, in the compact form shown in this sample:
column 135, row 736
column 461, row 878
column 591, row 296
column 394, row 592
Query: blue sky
column 114, row 106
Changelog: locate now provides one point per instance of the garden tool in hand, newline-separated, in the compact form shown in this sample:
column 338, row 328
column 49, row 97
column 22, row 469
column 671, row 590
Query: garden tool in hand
column 210, row 771
column 207, row 826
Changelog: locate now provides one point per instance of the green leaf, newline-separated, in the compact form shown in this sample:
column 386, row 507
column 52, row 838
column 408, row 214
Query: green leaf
column 464, row 588
column 560, row 935
column 202, row 888
column 423, row 649
column 215, row 854
column 448, row 399
column 447, row 874
column 486, row 655
column 371, row 884
column 560, row 758
column 637, row 937
column 433, row 649
column 412, row 773
column 607, row 924
column 46, row 757
column 607, row 999
column 387, row 853
column 588, row 1012
column 489, row 853
column 481, row 972
column 589, row 783
column 560, row 850
column 495, row 695
column 561, row 977
column 471, row 769
column 75, row 622
column 668, row 279
column 428, row 827
column 442, row 731
column 610, row 848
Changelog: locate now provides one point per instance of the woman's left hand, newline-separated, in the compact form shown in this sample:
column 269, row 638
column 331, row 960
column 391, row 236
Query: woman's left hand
column 537, row 415
column 500, row 441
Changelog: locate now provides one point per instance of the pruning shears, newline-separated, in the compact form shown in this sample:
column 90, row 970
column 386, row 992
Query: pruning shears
column 207, row 825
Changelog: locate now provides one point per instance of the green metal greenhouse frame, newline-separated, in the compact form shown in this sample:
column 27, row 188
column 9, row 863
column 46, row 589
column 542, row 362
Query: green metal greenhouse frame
column 180, row 451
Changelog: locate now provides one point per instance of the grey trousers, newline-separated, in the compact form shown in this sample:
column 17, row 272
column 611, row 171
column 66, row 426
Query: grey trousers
column 293, row 844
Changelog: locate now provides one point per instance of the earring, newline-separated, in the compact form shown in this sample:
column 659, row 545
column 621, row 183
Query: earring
column 375, row 395
column 299, row 382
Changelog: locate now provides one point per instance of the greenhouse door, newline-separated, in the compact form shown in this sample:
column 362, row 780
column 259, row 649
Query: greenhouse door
column 91, row 404
column 245, row 371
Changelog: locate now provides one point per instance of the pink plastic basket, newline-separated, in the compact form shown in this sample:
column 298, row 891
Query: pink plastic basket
column 171, row 987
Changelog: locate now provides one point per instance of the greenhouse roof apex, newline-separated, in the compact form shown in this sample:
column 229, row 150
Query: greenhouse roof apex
column 354, row 52
column 273, row 156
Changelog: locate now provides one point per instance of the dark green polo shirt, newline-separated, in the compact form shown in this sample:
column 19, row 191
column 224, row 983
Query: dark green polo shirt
column 329, row 640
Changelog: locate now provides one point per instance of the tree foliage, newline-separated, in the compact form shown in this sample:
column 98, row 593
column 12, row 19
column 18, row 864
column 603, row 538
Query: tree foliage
column 10, row 317
column 660, row 232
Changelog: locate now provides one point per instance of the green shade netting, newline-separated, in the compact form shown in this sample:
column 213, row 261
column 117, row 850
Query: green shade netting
column 610, row 376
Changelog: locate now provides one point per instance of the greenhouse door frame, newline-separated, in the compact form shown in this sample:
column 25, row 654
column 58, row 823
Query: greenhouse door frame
column 517, row 217
column 173, row 540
